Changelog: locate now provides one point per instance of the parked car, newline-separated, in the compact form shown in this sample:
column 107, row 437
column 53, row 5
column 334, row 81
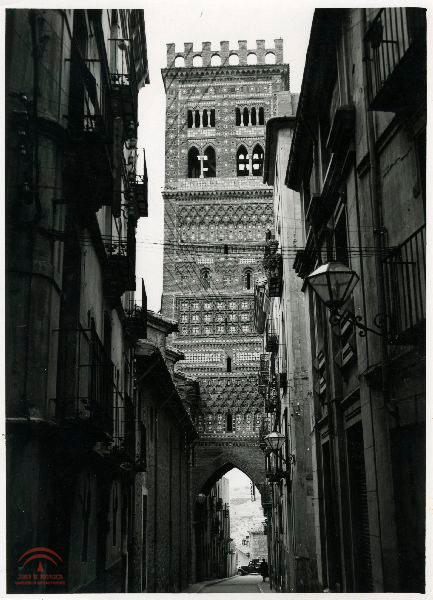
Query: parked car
column 251, row 569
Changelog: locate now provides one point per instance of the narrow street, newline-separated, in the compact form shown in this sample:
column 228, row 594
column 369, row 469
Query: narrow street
column 247, row 584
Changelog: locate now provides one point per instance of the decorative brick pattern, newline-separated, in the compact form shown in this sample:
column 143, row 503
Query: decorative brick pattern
column 214, row 231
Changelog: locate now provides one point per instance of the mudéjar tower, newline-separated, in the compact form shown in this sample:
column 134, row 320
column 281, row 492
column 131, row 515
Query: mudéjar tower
column 217, row 210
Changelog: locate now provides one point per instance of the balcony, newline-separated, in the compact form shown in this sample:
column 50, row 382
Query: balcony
column 395, row 46
column 88, row 170
column 273, row 266
column 119, row 274
column 123, row 85
column 260, row 300
column 405, row 290
column 271, row 338
column 124, row 429
column 136, row 318
column 85, row 386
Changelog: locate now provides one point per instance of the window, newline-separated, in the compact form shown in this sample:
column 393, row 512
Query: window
column 248, row 278
column 193, row 163
column 246, row 116
column 238, row 116
column 261, row 116
column 242, row 160
column 229, row 364
column 209, row 167
column 253, row 116
column 205, row 278
column 229, row 423
column 340, row 240
column 226, row 249
column 257, row 162
column 197, row 118
column 212, row 117
column 205, row 118
column 190, row 119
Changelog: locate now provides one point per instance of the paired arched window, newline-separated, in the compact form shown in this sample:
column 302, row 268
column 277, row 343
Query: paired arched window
column 242, row 162
column 201, row 165
column 250, row 116
column 193, row 163
column 257, row 162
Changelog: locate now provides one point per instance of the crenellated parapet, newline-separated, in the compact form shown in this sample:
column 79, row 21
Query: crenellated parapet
column 207, row 57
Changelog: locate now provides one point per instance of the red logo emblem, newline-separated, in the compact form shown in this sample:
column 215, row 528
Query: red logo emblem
column 40, row 577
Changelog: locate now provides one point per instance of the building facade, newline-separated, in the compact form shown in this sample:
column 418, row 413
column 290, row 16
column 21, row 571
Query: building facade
column 162, row 557
column 284, row 374
column 358, row 160
column 73, row 199
column 216, row 212
column 214, row 550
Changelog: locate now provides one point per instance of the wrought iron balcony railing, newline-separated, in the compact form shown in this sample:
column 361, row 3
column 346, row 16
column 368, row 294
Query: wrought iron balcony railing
column 123, row 82
column 405, row 290
column 119, row 274
column 273, row 266
column 124, row 426
column 85, row 387
column 395, row 45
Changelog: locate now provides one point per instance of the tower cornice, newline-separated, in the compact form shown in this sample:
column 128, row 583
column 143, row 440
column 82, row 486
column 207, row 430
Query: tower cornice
column 229, row 194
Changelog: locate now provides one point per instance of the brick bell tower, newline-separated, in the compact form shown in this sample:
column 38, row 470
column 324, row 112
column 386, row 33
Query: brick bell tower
column 217, row 211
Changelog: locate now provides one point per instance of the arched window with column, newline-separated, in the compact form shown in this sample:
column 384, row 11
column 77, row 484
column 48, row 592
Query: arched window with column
column 253, row 116
column 257, row 160
column 209, row 167
column 190, row 119
column 193, row 163
column 238, row 116
column 261, row 116
column 212, row 117
column 197, row 118
column 242, row 162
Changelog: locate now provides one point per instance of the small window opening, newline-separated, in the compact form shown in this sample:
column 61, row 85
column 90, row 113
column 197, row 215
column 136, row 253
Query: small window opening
column 212, row 117
column 205, row 278
column 246, row 116
column 190, row 119
column 229, row 423
column 248, row 278
column 226, row 249
column 238, row 116
column 229, row 364
column 253, row 116
column 205, row 119
column 197, row 118
column 261, row 116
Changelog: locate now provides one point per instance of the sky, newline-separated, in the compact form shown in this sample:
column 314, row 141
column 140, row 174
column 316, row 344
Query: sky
column 197, row 21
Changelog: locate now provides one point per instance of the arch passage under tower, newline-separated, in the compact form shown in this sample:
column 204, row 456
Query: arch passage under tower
column 212, row 461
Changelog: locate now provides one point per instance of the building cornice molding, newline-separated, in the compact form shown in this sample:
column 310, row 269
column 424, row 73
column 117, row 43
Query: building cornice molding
column 229, row 194
column 235, row 71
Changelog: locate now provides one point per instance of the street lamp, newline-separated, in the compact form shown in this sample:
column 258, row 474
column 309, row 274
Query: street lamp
column 333, row 283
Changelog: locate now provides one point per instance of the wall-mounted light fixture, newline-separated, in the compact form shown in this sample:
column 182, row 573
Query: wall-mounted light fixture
column 333, row 283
